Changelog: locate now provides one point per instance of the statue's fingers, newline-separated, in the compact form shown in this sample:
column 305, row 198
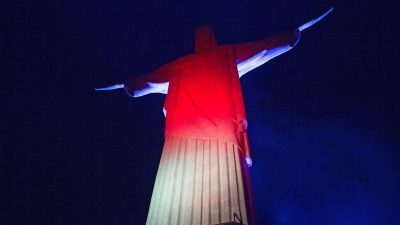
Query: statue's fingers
column 314, row 21
column 109, row 88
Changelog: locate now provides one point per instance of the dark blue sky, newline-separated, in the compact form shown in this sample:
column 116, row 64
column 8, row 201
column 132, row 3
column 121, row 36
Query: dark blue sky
column 323, row 118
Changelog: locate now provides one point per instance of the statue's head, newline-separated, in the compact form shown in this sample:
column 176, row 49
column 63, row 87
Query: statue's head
column 204, row 39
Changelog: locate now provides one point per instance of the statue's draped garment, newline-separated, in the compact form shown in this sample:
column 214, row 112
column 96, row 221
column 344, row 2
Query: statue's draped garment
column 202, row 176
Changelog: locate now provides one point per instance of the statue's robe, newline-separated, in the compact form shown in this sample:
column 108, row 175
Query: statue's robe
column 202, row 176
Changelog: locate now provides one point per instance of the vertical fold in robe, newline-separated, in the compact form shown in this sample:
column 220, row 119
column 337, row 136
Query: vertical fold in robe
column 199, row 182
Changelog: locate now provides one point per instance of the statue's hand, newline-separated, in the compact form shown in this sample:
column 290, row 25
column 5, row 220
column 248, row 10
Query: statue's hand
column 249, row 161
column 314, row 21
column 295, row 38
column 109, row 88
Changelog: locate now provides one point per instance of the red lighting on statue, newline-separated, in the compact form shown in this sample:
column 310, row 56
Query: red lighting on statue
column 203, row 175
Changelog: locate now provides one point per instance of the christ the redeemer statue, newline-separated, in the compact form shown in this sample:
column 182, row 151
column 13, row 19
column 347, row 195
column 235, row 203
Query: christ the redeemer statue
column 203, row 173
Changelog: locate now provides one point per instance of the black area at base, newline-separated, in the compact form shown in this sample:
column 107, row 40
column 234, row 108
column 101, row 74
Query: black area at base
column 230, row 223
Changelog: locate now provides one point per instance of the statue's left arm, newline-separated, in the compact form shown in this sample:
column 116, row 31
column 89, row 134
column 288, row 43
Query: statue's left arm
column 254, row 54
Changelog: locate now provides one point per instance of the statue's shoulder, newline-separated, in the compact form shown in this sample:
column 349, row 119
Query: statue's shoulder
column 196, row 59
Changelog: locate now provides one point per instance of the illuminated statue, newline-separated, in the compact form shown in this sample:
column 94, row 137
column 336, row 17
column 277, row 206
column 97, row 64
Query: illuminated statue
column 203, row 173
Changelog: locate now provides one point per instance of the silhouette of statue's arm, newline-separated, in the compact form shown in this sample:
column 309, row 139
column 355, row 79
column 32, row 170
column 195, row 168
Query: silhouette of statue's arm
column 154, row 82
column 254, row 54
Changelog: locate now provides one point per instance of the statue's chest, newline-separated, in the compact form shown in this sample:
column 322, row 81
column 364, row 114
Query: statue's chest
column 204, row 79
column 211, row 68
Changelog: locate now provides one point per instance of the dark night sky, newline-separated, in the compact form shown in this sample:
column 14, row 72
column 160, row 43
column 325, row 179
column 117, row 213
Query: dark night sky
column 323, row 118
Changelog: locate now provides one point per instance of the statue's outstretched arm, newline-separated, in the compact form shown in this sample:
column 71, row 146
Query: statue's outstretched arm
column 109, row 88
column 314, row 21
column 254, row 54
column 154, row 82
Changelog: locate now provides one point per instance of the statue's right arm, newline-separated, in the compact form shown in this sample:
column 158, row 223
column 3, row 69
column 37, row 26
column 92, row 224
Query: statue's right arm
column 154, row 82
column 109, row 88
